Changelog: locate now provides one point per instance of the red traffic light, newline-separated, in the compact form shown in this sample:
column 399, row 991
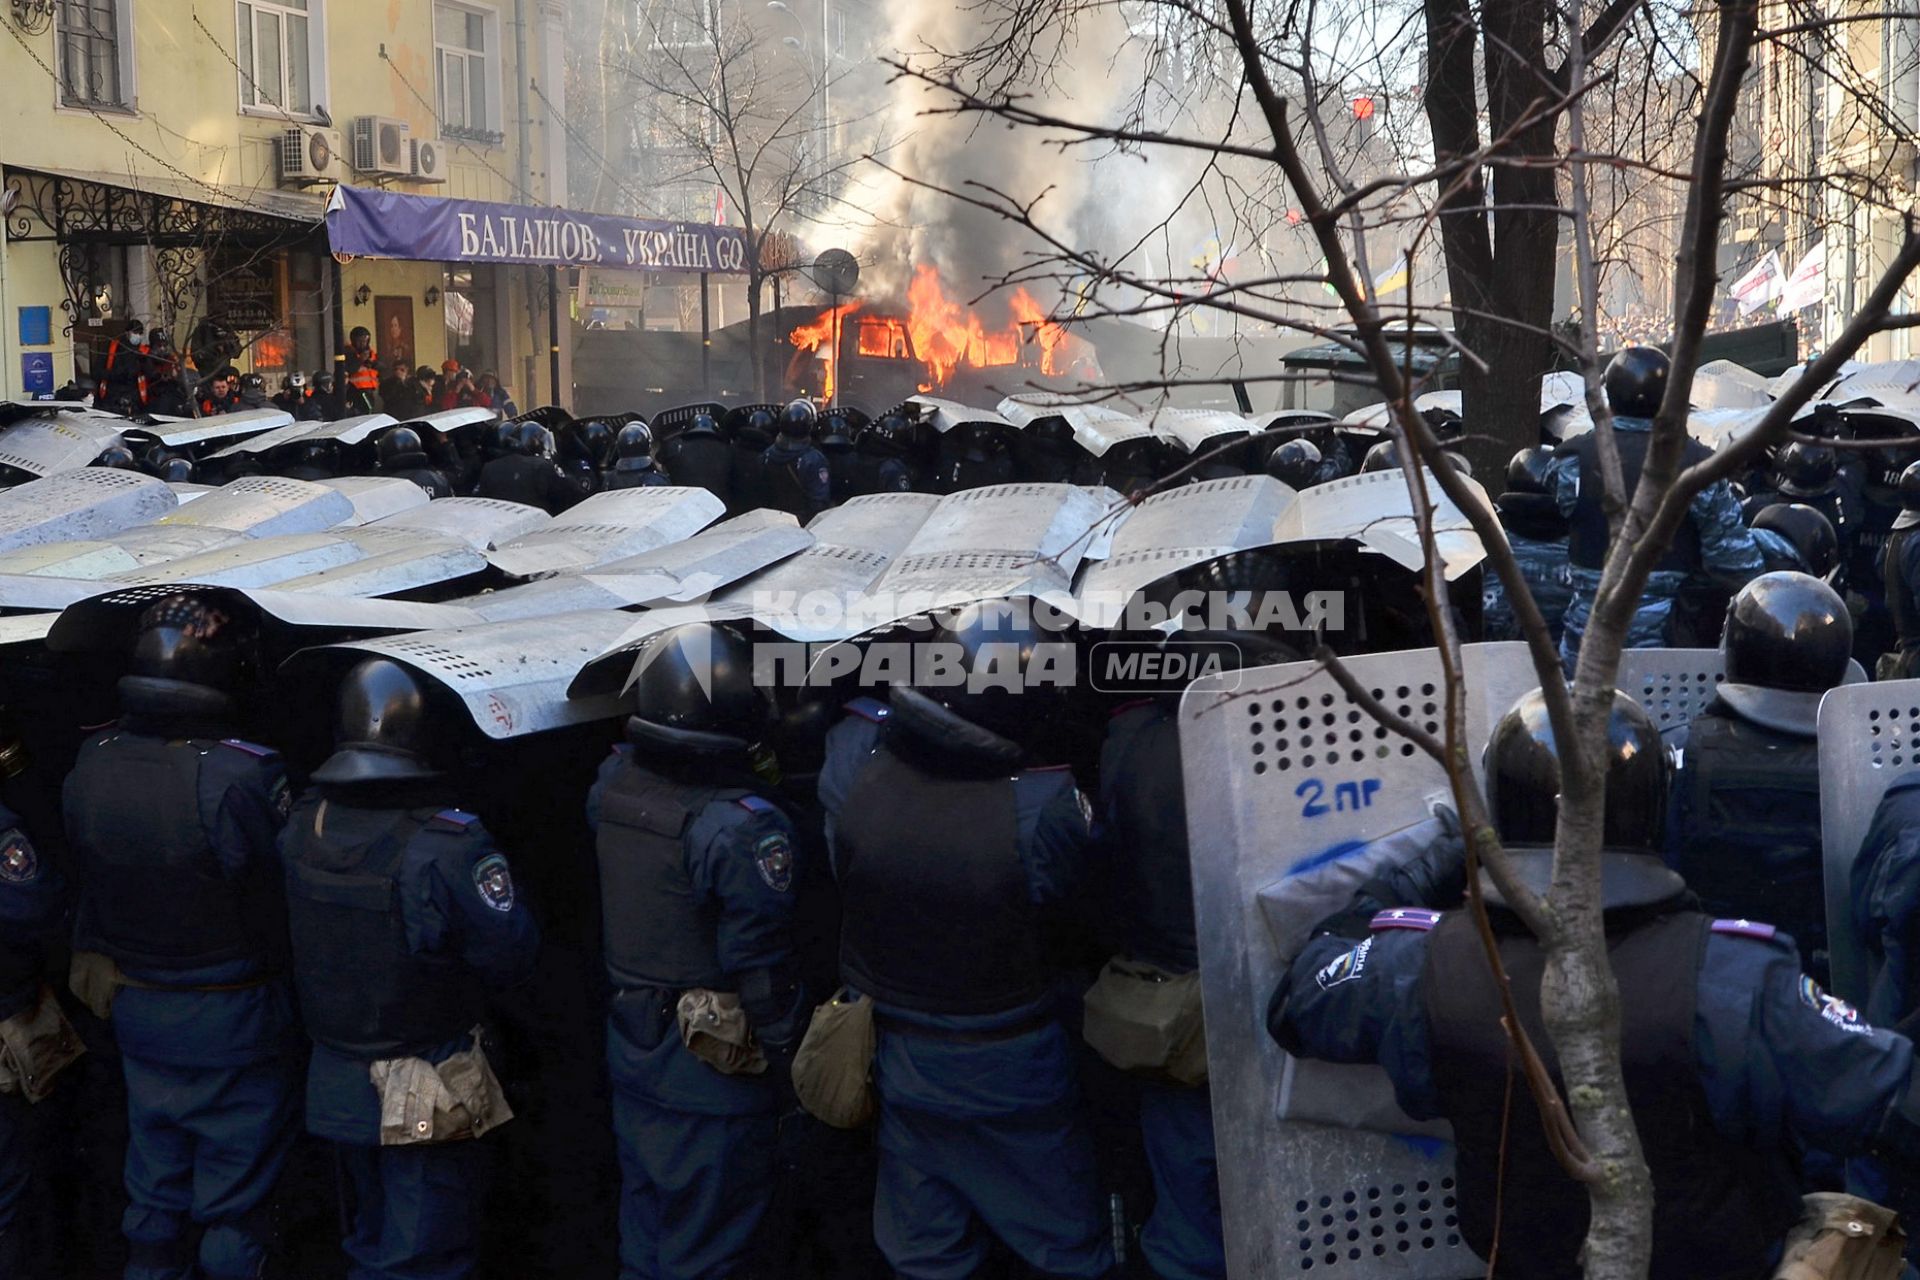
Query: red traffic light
column 1363, row 108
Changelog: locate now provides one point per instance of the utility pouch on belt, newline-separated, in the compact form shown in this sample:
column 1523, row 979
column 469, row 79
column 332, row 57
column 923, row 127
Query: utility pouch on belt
column 833, row 1069
column 1147, row 1022
column 714, row 1028
column 420, row 1102
column 35, row 1046
column 94, row 980
column 1843, row 1237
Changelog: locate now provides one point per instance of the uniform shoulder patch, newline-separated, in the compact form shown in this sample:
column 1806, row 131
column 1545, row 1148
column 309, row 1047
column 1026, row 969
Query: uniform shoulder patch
column 1832, row 1008
column 1416, row 918
column 1344, row 967
column 493, row 880
column 453, row 819
column 773, row 859
column 18, row 862
column 253, row 749
column 1745, row 929
column 870, row 709
column 757, row 804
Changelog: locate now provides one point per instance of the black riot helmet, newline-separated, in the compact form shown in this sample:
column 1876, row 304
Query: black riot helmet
column 176, row 470
column 1384, row 456
column 1527, row 470
column 797, row 419
column 533, row 440
column 253, row 383
column 1806, row 470
column 358, row 332
column 597, row 436
column 1295, row 463
column 1052, row 434
column 1788, row 640
column 756, row 431
column 156, row 458
column 633, row 446
column 1808, row 531
column 323, row 383
column 186, row 640
column 995, row 664
column 1523, row 776
column 833, row 432
column 384, row 726
column 1909, row 497
column 890, row 435
column 117, row 456
column 1637, row 381
column 702, row 425
column 693, row 690
column 400, row 447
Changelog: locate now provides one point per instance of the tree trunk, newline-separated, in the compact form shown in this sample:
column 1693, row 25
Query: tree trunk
column 758, row 361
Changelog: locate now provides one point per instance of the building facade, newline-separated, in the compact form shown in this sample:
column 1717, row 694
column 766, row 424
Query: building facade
column 171, row 163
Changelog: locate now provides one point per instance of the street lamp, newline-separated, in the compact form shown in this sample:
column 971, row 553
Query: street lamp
column 825, row 66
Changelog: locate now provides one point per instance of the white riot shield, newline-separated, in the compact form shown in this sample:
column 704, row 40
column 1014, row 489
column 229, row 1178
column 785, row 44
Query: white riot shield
column 1374, row 509
column 1287, row 782
column 46, row 592
column 1671, row 685
column 1869, row 739
column 984, row 544
column 481, row 523
column 677, row 573
column 448, row 421
column 1193, row 430
column 159, row 543
column 263, row 506
column 185, row 491
column 1378, row 417
column 1882, row 380
column 251, row 562
column 1722, row 384
column 48, row 446
column 83, row 559
column 88, row 503
column 511, row 676
column 26, row 628
column 218, row 426
column 378, row 497
column 1097, row 429
column 608, row 526
column 105, row 621
column 820, row 594
column 945, row 415
column 389, row 569
column 1177, row 528
column 294, row 432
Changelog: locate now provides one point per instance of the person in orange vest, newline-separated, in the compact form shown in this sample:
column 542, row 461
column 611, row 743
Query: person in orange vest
column 123, row 376
column 361, row 374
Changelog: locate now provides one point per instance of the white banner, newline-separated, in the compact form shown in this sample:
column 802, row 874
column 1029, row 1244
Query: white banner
column 1807, row 285
column 1759, row 286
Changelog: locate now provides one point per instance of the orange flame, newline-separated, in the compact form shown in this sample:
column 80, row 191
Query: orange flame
column 822, row 329
column 946, row 334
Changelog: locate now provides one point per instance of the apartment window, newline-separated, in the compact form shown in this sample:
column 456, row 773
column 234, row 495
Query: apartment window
column 278, row 46
column 96, row 52
column 467, row 65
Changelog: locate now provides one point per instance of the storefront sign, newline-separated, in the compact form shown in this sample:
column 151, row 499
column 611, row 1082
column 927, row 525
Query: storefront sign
column 386, row 224
column 243, row 290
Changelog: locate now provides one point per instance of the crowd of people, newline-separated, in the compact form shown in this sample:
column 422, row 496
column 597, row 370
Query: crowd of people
column 904, row 980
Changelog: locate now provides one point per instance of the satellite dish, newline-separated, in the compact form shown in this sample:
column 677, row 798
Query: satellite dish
column 836, row 272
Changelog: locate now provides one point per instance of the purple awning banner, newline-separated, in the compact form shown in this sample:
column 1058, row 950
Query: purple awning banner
column 368, row 223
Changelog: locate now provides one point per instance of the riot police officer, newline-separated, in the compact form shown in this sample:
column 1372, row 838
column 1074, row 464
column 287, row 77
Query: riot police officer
column 1295, row 463
column 313, row 461
column 528, row 474
column 881, row 456
column 1537, row 532
column 973, row 456
column 954, row 855
column 1727, row 1049
column 116, row 456
column 698, row 884
column 403, row 915
column 1900, row 572
column 1046, row 452
column 1711, row 549
column 172, row 820
column 749, row 433
column 633, row 466
column 1746, row 829
column 798, row 480
column 402, row 454
column 833, row 436
column 1143, row 839
column 698, row 457
column 33, row 905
